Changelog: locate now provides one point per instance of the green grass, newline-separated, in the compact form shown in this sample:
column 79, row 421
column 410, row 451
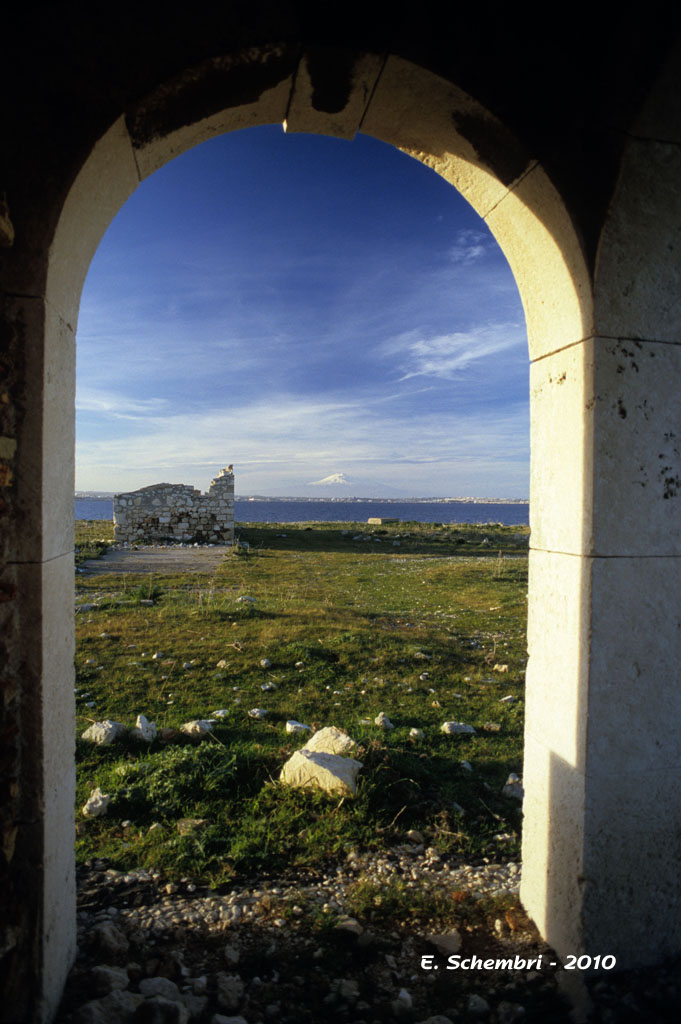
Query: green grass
column 345, row 624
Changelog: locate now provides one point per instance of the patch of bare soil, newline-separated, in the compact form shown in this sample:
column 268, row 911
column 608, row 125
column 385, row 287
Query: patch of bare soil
column 156, row 559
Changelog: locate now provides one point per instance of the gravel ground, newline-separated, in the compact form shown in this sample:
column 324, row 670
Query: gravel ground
column 156, row 558
column 250, row 955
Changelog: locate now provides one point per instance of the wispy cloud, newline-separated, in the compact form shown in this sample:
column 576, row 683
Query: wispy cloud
column 470, row 246
column 447, row 355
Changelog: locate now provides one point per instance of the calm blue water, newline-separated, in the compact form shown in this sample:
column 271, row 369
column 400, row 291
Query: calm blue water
column 276, row 511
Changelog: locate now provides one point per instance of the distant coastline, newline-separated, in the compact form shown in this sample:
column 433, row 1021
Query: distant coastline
column 103, row 495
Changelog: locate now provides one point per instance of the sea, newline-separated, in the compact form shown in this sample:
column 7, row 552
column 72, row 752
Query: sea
column 276, row 510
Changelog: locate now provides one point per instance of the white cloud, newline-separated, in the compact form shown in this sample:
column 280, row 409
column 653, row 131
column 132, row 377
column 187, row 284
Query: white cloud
column 470, row 247
column 447, row 355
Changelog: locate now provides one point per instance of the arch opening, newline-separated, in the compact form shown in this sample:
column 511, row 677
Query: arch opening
column 429, row 118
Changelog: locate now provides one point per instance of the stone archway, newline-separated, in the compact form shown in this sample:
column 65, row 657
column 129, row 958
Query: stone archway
column 603, row 418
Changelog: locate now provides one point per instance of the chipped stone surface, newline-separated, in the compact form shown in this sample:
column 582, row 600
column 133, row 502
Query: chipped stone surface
column 97, row 804
column 455, row 728
column 315, row 769
column 105, row 732
column 331, row 740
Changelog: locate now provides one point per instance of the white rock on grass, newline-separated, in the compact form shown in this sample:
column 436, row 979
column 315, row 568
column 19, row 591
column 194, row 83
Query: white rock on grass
column 97, row 803
column 258, row 713
column 330, row 740
column 454, row 728
column 144, row 730
column 315, row 769
column 105, row 732
column 416, row 734
column 245, row 599
column 500, row 668
column 222, row 663
column 296, row 727
column 197, row 728
column 265, row 663
column 221, row 713
column 508, row 699
column 513, row 787
column 383, row 721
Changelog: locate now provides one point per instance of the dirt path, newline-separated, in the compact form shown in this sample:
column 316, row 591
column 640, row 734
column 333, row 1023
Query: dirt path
column 157, row 560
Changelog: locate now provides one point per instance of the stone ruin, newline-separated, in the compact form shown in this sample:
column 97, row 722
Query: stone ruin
column 177, row 512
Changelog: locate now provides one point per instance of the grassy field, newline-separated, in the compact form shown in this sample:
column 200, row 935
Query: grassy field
column 354, row 620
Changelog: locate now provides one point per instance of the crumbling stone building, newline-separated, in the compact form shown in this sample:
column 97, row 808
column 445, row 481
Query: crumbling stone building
column 177, row 512
column 567, row 141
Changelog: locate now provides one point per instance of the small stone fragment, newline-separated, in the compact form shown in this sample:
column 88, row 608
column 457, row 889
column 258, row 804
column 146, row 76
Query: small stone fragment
column 158, row 1010
column 454, row 728
column 159, row 987
column 348, row 924
column 508, row 699
column 109, row 939
column 296, row 727
column 447, row 943
column 383, row 721
column 477, row 1005
column 197, row 728
column 104, row 733
column 230, row 990
column 144, row 730
column 513, row 787
column 257, row 713
column 500, row 668
column 222, row 664
column 416, row 734
column 114, row 1008
column 106, row 979
column 97, row 804
column 265, row 663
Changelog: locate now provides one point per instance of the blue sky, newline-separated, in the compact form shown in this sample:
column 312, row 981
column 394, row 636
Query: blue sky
column 302, row 306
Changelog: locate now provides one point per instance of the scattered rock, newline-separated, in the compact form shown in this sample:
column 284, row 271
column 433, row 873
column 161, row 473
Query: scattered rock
column 513, row 787
column 197, row 728
column 315, row 769
column 422, row 656
column 230, row 990
column 258, row 713
column 383, row 721
column 104, row 733
column 97, row 804
column 116, row 1007
column 508, row 699
column 330, row 740
column 447, row 943
column 466, row 765
column 416, row 734
column 109, row 939
column 452, row 728
column 349, row 924
column 144, row 730
column 437, row 1019
column 222, row 664
column 108, row 979
column 232, row 955
column 296, row 727
column 185, row 826
column 510, row 1013
column 160, row 987
column 500, row 668
column 221, row 713
column 159, row 1010
column 477, row 1005
column 415, row 836
column 244, row 599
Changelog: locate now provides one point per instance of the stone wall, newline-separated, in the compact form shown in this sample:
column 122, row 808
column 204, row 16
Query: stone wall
column 177, row 512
